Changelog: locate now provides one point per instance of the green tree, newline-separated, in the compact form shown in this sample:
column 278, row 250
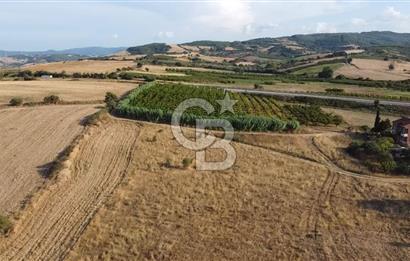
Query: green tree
column 111, row 101
column 378, row 118
column 326, row 73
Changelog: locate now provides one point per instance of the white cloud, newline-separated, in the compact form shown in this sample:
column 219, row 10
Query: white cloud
column 392, row 13
column 251, row 29
column 325, row 28
column 166, row 35
column 359, row 22
column 393, row 19
column 233, row 15
column 115, row 36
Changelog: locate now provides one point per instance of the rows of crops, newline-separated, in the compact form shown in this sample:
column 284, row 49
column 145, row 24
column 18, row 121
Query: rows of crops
column 156, row 102
column 168, row 96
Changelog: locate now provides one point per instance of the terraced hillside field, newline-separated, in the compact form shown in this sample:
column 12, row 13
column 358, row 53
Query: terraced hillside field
column 30, row 139
column 34, row 91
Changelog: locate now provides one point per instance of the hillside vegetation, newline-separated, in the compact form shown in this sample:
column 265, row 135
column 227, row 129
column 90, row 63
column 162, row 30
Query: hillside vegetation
column 292, row 46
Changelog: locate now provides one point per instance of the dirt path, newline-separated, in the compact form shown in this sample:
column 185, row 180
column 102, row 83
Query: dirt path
column 30, row 139
column 52, row 224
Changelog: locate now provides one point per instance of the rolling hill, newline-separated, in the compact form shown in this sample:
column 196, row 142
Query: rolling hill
column 293, row 46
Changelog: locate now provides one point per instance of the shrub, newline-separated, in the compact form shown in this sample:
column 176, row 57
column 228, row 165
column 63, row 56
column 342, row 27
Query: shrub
column 326, row 73
column 126, row 76
column 149, row 78
column 168, row 163
column 376, row 154
column 5, row 225
column 186, row 163
column 16, row 101
column 258, row 86
column 52, row 99
column 335, row 90
column 111, row 101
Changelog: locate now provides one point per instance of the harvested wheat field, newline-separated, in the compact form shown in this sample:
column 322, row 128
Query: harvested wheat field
column 84, row 66
column 67, row 90
column 359, row 118
column 57, row 215
column 271, row 205
column 376, row 70
column 30, row 139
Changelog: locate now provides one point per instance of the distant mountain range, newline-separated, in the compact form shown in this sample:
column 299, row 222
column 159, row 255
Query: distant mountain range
column 18, row 58
column 87, row 51
column 380, row 44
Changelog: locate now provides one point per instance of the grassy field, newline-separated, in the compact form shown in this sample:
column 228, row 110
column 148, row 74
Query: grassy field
column 358, row 118
column 314, row 70
column 270, row 205
column 67, row 90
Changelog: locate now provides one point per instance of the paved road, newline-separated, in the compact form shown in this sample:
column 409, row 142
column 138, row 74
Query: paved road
column 287, row 94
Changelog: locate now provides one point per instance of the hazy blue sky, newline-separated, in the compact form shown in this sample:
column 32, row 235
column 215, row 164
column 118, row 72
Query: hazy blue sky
column 40, row 25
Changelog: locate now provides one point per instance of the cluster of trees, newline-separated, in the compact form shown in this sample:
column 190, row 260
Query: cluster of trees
column 344, row 104
column 375, row 148
column 381, row 126
column 375, row 154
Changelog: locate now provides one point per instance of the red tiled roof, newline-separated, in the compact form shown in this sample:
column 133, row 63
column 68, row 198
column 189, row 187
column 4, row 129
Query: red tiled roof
column 402, row 121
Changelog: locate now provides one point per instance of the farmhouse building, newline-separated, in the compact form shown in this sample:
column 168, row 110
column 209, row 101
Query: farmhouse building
column 401, row 131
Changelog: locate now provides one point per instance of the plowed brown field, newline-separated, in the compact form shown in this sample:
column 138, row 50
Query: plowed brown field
column 31, row 138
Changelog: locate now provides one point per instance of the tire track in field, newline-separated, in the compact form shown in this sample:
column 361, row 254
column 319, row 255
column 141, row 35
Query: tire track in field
column 58, row 215
column 31, row 138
